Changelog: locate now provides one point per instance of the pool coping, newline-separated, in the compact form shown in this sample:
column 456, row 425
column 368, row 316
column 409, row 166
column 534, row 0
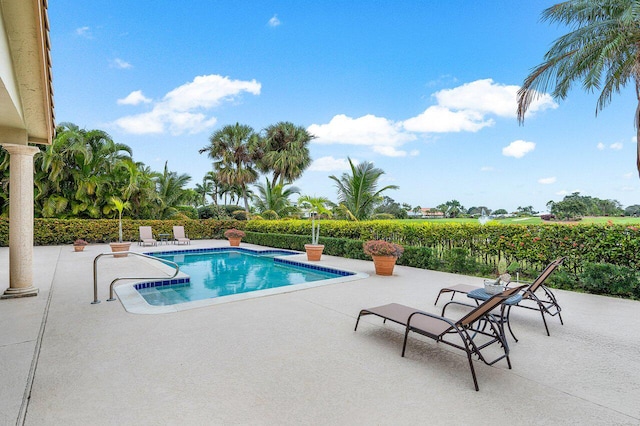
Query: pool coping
column 134, row 303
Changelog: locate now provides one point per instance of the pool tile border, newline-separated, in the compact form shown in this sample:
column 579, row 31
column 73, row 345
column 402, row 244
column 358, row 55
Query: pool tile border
column 133, row 302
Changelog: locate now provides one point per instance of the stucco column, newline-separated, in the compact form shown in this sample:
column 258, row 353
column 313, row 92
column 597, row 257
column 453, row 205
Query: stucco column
column 20, row 221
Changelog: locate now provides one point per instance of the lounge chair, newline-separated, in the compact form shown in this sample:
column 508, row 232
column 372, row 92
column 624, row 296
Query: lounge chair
column 548, row 304
column 146, row 236
column 478, row 322
column 179, row 236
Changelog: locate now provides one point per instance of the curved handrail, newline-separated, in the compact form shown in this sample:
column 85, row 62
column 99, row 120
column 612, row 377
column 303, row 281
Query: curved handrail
column 111, row 298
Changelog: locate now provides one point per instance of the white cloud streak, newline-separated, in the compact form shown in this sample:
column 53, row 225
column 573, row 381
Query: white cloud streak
column 547, row 181
column 134, row 98
column 518, row 149
column 330, row 164
column 274, row 21
column 467, row 108
column 182, row 110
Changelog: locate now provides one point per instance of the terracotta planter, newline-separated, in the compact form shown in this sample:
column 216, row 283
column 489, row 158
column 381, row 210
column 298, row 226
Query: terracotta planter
column 78, row 248
column 234, row 242
column 314, row 251
column 384, row 264
column 116, row 247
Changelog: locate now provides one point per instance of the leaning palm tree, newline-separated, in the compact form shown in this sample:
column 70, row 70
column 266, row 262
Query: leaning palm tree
column 234, row 150
column 602, row 51
column 275, row 198
column 358, row 192
column 286, row 152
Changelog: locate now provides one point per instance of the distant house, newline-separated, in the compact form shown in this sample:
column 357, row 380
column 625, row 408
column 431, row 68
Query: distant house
column 431, row 213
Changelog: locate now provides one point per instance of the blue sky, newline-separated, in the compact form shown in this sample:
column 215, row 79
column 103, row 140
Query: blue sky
column 423, row 89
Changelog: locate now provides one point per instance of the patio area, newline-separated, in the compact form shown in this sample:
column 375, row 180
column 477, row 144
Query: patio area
column 294, row 358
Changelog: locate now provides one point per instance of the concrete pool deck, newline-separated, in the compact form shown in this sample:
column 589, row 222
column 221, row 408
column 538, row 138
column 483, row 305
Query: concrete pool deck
column 294, row 358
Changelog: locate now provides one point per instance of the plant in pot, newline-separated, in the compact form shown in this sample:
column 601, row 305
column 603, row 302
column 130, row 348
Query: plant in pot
column 120, row 206
column 79, row 244
column 234, row 236
column 498, row 285
column 384, row 255
column 314, row 250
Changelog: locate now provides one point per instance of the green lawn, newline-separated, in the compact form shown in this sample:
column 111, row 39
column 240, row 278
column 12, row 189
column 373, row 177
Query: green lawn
column 532, row 220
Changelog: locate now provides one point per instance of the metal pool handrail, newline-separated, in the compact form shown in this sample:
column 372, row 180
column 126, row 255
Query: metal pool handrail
column 111, row 298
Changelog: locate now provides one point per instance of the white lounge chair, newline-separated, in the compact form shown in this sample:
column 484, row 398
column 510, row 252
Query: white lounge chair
column 179, row 236
column 146, row 236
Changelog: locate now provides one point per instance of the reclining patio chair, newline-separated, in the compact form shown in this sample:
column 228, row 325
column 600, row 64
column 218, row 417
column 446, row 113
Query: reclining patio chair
column 179, row 236
column 146, row 236
column 546, row 305
column 469, row 328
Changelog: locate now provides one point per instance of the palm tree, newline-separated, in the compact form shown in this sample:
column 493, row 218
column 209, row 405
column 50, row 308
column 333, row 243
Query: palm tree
column 234, row 150
column 170, row 188
column 118, row 205
column 358, row 191
column 319, row 205
column 275, row 198
column 602, row 51
column 286, row 152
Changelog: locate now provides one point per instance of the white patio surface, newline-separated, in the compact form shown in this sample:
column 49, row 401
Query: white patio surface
column 294, row 358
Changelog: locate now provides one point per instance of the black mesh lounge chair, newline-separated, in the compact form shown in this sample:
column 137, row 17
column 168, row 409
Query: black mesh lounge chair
column 478, row 322
column 547, row 304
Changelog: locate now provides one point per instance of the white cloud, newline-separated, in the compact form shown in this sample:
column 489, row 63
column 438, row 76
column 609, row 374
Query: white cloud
column 182, row 109
column 488, row 97
column 383, row 135
column 518, row 149
column 547, row 181
column 564, row 192
column 437, row 119
column 600, row 146
column 617, row 146
column 486, row 169
column 274, row 21
column 465, row 108
column 84, row 32
column 330, row 164
column 134, row 98
column 414, row 153
column 120, row 64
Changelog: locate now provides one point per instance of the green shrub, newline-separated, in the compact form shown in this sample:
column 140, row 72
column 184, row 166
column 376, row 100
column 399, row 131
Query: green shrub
column 606, row 278
column 240, row 215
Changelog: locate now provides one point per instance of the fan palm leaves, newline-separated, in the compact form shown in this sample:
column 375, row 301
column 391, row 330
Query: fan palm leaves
column 234, row 150
column 358, row 192
column 602, row 52
column 286, row 152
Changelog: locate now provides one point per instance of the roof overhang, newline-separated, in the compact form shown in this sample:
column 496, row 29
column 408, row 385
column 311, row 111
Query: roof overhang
column 26, row 91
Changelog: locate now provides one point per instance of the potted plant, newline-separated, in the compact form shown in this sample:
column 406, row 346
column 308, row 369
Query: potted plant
column 314, row 250
column 384, row 255
column 120, row 206
column 498, row 285
column 234, row 236
column 79, row 244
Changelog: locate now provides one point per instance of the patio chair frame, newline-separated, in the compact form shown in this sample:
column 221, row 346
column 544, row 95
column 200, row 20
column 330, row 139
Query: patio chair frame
column 467, row 328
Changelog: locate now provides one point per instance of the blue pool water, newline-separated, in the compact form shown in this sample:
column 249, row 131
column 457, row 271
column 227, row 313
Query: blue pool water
column 223, row 272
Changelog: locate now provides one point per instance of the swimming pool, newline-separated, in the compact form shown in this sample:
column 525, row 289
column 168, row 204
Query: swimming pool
column 216, row 275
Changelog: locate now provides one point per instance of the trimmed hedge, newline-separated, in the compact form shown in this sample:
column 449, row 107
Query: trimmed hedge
column 602, row 259
column 65, row 231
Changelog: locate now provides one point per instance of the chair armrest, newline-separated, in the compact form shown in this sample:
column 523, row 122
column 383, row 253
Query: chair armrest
column 434, row 316
column 453, row 302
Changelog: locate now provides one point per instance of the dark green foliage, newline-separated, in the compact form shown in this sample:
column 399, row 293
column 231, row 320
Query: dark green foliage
column 458, row 260
column 419, row 257
column 213, row 212
column 240, row 215
column 605, row 278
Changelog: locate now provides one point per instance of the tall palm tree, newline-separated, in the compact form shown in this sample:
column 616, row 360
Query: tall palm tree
column 602, row 51
column 286, row 152
column 234, row 150
column 358, row 191
column 275, row 198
